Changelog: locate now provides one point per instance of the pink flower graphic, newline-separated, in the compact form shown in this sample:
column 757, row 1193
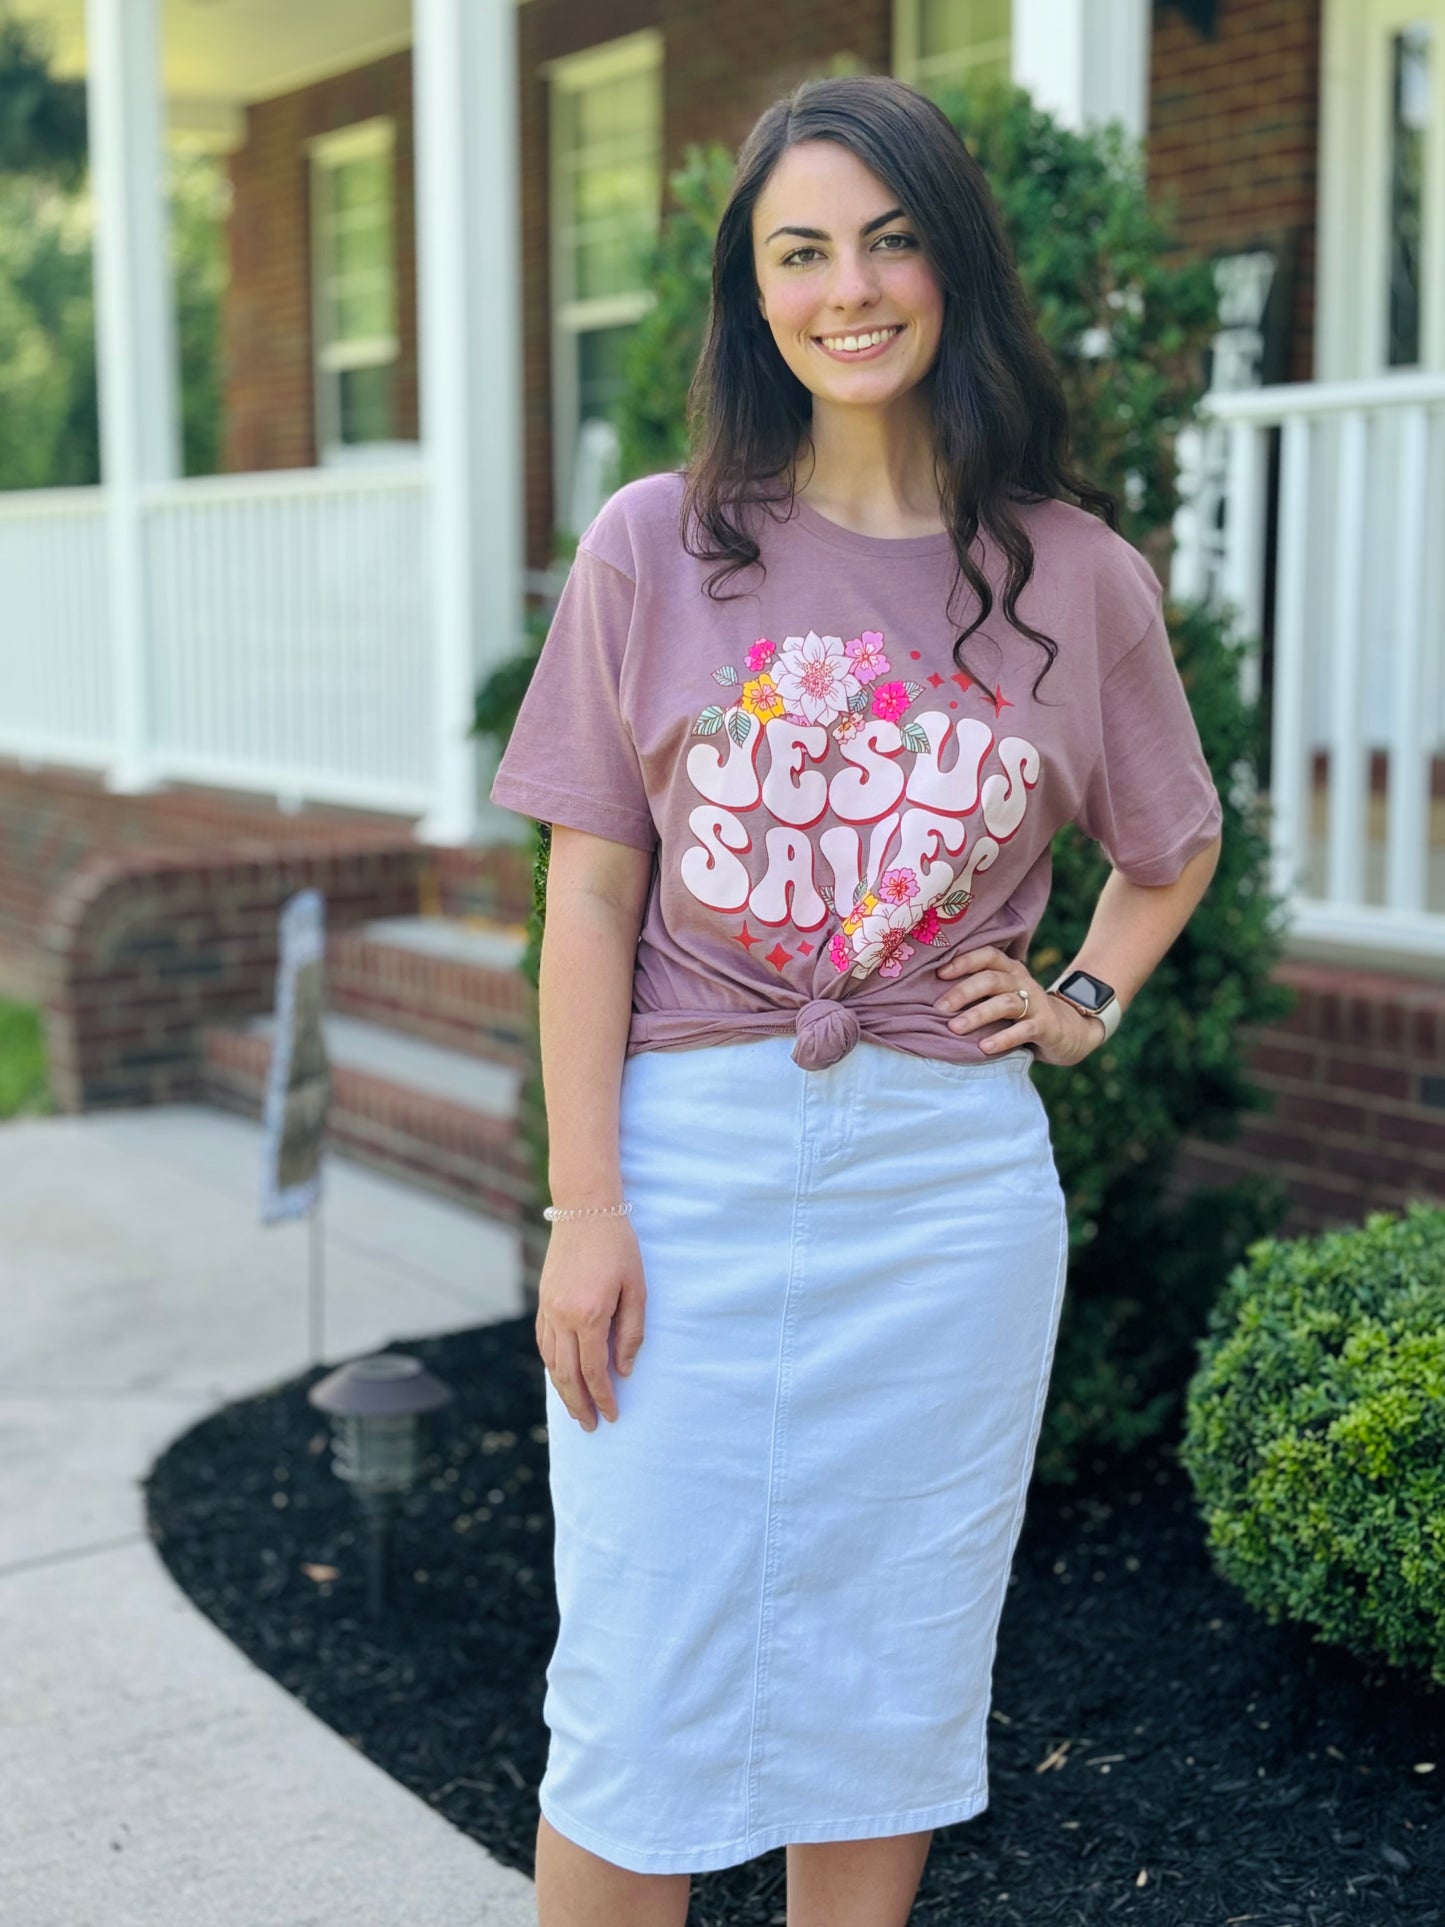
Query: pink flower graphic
column 897, row 886
column 883, row 947
column 894, row 954
column 865, row 656
column 847, row 727
column 890, row 699
column 760, row 655
column 839, row 955
column 927, row 928
column 814, row 677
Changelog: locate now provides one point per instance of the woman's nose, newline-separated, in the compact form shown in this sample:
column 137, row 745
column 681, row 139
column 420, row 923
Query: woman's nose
column 855, row 282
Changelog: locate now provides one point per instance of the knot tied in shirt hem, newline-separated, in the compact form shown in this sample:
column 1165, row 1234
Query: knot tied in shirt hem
column 827, row 1030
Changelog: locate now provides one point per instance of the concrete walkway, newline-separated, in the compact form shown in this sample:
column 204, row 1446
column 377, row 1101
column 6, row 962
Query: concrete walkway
column 150, row 1775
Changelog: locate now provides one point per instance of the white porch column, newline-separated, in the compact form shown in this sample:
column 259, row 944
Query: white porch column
column 1085, row 61
column 469, row 278
column 135, row 336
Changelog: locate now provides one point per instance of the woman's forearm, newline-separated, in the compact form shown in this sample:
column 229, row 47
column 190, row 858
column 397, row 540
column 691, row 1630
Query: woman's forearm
column 1134, row 924
column 584, row 991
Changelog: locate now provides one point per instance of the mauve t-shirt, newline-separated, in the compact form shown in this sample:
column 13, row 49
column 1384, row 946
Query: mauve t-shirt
column 832, row 805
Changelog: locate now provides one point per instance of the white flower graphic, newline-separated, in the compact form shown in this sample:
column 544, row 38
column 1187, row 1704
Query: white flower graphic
column 814, row 677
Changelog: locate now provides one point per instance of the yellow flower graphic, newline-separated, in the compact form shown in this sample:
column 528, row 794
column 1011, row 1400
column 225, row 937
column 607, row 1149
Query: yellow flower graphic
column 862, row 908
column 761, row 699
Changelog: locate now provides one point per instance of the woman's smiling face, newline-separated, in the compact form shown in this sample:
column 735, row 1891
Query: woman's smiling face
column 853, row 303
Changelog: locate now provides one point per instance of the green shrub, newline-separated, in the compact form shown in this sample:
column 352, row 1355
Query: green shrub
column 1126, row 323
column 24, row 1077
column 1315, row 1435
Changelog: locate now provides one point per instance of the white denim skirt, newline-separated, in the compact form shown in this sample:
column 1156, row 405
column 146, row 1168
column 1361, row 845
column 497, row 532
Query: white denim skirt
column 780, row 1572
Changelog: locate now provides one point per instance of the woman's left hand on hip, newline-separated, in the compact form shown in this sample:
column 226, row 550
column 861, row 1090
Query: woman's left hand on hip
column 985, row 986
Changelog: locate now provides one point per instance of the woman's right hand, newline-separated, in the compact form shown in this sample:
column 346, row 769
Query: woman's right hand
column 591, row 1286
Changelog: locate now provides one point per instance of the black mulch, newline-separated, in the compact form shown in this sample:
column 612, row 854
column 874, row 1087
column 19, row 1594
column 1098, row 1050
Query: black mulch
column 1158, row 1751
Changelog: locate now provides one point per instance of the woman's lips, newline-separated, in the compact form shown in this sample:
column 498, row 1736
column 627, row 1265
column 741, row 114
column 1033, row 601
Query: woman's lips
column 870, row 353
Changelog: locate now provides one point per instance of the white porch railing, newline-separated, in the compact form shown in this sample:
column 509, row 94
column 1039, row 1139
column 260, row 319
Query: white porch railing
column 1358, row 671
column 289, row 643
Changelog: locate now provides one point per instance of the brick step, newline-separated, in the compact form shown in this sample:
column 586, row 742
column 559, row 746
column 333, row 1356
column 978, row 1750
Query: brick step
column 437, row 1117
column 448, row 980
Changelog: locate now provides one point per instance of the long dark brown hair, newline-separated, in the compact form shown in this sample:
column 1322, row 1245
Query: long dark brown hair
column 1000, row 421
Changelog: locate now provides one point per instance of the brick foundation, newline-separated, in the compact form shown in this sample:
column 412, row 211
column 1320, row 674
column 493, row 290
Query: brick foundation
column 1356, row 1075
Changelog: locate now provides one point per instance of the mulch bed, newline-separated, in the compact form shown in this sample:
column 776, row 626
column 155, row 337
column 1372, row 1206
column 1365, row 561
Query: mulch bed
column 1158, row 1751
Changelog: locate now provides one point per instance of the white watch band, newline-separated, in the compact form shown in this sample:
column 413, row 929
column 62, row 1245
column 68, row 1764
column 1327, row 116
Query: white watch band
column 1109, row 1016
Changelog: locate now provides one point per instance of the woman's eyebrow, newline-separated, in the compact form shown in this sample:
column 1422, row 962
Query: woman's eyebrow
column 817, row 234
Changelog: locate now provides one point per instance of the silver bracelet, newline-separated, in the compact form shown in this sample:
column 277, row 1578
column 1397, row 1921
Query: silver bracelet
column 553, row 1212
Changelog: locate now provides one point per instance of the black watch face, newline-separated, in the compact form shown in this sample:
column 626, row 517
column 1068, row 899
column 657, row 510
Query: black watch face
column 1086, row 990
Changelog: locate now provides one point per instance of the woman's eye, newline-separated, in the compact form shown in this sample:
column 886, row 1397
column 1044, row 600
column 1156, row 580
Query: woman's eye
column 895, row 243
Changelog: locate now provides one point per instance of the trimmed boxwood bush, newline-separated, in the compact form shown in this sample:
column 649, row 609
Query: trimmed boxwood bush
column 1315, row 1435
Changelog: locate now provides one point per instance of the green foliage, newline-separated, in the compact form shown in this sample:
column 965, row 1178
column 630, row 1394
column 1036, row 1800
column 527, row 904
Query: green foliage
column 1123, row 316
column 48, row 398
column 1315, row 1435
column 200, row 199
column 47, row 348
column 24, row 1076
column 1144, row 1269
column 650, row 414
column 42, row 119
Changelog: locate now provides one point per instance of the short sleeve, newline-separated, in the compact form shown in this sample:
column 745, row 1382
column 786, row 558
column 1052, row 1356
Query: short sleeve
column 570, row 758
column 1150, row 800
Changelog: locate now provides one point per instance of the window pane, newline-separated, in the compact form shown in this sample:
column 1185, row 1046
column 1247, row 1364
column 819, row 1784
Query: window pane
column 365, row 400
column 1409, row 119
column 607, row 183
column 363, row 306
column 959, row 26
column 600, row 354
column 624, row 108
column 363, row 182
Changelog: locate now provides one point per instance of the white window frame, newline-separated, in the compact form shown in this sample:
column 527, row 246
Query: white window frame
column 574, row 73
column 1352, row 299
column 362, row 139
column 910, row 65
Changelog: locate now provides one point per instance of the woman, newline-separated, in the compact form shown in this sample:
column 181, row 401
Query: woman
column 803, row 765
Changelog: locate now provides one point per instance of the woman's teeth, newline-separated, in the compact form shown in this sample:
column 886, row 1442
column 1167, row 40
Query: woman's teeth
column 850, row 344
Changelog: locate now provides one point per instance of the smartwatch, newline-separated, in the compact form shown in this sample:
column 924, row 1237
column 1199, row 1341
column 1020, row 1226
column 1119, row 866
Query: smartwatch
column 1091, row 995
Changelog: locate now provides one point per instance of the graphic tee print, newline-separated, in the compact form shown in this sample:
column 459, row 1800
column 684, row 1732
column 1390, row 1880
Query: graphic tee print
column 833, row 806
column 879, row 882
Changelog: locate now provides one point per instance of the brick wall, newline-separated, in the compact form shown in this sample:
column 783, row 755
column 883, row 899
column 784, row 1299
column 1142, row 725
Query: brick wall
column 1233, row 135
column 267, row 334
column 1356, row 1081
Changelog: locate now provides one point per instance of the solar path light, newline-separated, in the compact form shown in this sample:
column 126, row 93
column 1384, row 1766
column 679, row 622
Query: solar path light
column 376, row 1406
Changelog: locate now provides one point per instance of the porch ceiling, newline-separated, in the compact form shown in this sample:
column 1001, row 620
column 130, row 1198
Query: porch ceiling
column 218, row 55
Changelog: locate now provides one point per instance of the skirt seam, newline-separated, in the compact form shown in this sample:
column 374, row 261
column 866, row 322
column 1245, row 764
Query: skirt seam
column 776, row 1448
column 748, row 1845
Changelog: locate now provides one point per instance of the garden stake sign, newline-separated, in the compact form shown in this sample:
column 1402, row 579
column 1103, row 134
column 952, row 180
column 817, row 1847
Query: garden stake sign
column 298, row 1089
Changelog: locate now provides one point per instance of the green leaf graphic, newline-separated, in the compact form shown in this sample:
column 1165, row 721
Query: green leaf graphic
column 709, row 722
column 740, row 725
column 915, row 737
column 726, row 674
column 859, row 699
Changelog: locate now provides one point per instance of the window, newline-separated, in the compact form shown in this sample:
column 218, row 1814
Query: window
column 944, row 43
column 606, row 196
column 1409, row 126
column 354, row 289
